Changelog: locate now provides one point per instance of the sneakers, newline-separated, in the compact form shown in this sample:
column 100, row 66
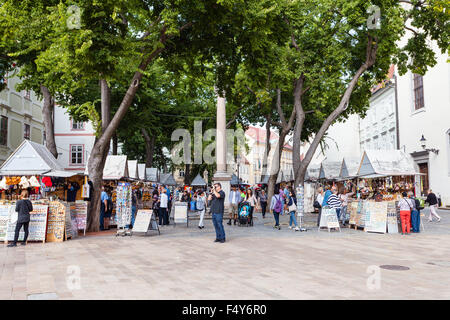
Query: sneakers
column 290, row 227
column 23, row 243
column 12, row 245
column 229, row 222
column 217, row 240
column 439, row 220
column 297, row 229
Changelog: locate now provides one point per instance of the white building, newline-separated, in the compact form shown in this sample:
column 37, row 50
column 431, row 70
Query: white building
column 21, row 118
column 74, row 141
column 424, row 109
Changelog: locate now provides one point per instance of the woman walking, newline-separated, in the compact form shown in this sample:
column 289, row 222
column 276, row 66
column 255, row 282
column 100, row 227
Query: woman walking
column 263, row 203
column 406, row 206
column 251, row 199
column 292, row 207
column 276, row 206
column 433, row 202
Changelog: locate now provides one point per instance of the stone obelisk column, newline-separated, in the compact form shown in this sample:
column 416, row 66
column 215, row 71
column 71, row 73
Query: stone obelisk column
column 221, row 174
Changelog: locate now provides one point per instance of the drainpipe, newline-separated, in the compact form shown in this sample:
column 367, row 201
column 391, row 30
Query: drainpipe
column 397, row 130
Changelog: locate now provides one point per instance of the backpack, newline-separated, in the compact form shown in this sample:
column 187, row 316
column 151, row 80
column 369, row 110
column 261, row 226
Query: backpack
column 278, row 204
column 200, row 204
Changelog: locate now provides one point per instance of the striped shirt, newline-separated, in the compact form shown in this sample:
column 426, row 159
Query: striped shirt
column 333, row 201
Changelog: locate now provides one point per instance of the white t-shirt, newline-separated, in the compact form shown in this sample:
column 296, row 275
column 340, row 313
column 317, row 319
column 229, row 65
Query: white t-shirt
column 164, row 200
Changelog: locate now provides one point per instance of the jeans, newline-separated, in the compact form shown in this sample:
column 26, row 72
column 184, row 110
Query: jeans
column 276, row 215
column 133, row 215
column 318, row 218
column 102, row 215
column 344, row 214
column 263, row 208
column 338, row 212
column 25, row 229
column 415, row 220
column 163, row 216
column 217, row 219
column 292, row 218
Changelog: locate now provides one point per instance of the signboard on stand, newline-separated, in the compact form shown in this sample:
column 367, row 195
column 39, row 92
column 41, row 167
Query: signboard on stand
column 5, row 212
column 181, row 213
column 37, row 228
column 392, row 220
column 328, row 219
column 56, row 222
column 80, row 215
column 142, row 222
column 376, row 217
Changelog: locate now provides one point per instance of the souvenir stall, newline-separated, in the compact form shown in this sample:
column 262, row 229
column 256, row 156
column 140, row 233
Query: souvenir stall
column 198, row 183
column 33, row 168
column 382, row 176
column 329, row 172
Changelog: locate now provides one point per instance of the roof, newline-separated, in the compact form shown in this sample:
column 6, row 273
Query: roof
column 386, row 163
column 349, row 167
column 116, row 167
column 198, row 181
column 141, row 171
column 133, row 169
column 152, row 174
column 31, row 158
column 330, row 170
column 259, row 134
column 167, row 179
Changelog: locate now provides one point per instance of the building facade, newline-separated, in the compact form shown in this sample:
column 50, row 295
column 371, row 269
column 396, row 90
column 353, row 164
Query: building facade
column 21, row 118
column 74, row 141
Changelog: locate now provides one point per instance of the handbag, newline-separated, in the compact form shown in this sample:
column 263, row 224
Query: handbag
column 292, row 207
column 317, row 205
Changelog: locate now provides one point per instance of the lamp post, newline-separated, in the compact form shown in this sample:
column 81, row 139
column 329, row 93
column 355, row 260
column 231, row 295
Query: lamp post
column 423, row 143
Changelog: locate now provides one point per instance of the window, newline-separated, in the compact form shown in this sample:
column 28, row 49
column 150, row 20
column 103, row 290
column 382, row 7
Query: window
column 27, row 94
column 76, row 152
column 4, row 131
column 418, row 92
column 77, row 125
column 26, row 132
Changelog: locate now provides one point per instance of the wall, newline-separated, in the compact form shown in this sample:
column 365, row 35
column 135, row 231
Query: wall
column 432, row 121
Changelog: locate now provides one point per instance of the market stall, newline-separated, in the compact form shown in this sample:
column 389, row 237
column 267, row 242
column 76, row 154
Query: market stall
column 141, row 171
column 198, row 182
column 329, row 171
column 133, row 169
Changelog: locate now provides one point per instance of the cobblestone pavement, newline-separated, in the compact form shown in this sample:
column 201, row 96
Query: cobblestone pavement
column 257, row 262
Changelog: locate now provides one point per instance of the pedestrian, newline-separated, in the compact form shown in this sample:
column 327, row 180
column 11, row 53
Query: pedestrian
column 333, row 201
column 201, row 207
column 217, row 198
column 251, row 199
column 103, row 207
column 406, row 206
column 263, row 202
column 326, row 195
column 133, row 207
column 163, row 205
column 318, row 203
column 108, row 210
column 415, row 213
column 276, row 207
column 292, row 208
column 433, row 202
column 344, row 195
column 185, row 197
column 235, row 199
column 23, row 209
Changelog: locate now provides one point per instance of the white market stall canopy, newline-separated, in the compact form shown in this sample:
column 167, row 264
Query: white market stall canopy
column 329, row 170
column 349, row 167
column 116, row 168
column 133, row 169
column 141, row 171
column 30, row 159
column 377, row 163
column 167, row 179
column 198, row 182
column 152, row 174
column 280, row 177
column 288, row 175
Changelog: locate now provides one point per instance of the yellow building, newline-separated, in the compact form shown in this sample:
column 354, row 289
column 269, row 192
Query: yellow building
column 21, row 118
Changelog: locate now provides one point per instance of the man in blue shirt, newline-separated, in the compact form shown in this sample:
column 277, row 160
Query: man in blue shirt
column 103, row 206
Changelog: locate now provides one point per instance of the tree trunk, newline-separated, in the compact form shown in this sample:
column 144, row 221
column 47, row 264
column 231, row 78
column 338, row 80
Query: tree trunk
column 275, row 167
column 115, row 144
column 267, row 146
column 47, row 113
column 149, row 147
column 300, row 119
column 187, row 174
column 371, row 51
column 97, row 161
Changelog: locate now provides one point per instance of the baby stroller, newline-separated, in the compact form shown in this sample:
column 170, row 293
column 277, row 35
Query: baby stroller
column 244, row 214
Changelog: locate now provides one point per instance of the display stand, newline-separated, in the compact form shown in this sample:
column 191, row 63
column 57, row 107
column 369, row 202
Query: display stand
column 123, row 209
column 328, row 219
column 180, row 214
column 300, row 206
column 79, row 215
column 145, row 221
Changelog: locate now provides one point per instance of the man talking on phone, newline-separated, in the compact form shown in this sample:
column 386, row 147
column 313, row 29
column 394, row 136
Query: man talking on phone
column 217, row 198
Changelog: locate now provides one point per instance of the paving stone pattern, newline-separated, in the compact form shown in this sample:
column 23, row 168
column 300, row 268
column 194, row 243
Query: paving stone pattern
column 256, row 262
